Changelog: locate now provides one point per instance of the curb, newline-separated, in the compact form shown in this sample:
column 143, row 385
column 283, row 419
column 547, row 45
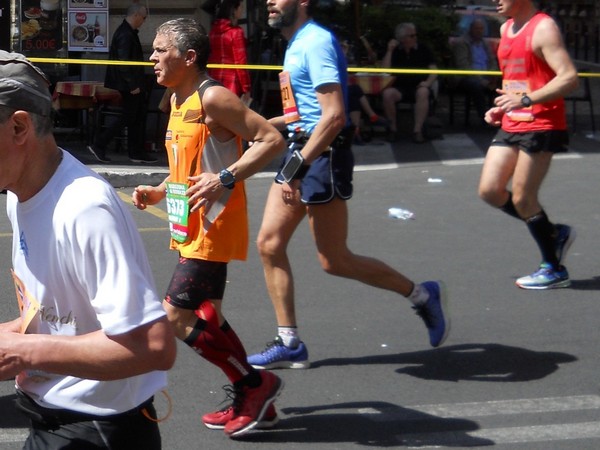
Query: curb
column 123, row 177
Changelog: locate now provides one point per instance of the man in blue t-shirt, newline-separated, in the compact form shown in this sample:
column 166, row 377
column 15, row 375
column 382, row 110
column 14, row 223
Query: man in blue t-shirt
column 315, row 180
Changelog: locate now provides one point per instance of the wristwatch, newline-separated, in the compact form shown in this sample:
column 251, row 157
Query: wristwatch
column 526, row 101
column 227, row 179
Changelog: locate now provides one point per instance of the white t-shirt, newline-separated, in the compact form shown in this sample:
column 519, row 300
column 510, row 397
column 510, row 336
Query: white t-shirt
column 77, row 252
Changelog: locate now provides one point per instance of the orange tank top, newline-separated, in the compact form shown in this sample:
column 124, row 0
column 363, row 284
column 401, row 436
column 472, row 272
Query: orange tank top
column 221, row 232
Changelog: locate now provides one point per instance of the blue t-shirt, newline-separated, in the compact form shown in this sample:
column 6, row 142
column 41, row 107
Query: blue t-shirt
column 313, row 58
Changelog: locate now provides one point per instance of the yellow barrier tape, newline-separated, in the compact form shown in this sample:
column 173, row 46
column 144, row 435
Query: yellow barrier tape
column 279, row 68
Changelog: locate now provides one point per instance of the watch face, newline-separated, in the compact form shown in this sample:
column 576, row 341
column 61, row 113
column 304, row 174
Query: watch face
column 227, row 178
column 526, row 101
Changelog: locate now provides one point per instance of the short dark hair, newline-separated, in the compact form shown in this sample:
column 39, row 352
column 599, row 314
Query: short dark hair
column 226, row 8
column 188, row 34
column 135, row 8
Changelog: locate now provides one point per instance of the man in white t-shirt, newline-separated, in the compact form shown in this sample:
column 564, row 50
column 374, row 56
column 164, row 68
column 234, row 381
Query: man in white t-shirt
column 92, row 342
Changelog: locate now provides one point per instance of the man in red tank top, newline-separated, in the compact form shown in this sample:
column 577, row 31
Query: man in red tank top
column 537, row 73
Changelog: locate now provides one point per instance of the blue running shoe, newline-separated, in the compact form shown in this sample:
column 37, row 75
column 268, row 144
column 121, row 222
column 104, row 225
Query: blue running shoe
column 434, row 312
column 564, row 240
column 278, row 356
column 545, row 278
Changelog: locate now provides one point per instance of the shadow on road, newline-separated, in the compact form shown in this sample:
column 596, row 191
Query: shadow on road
column 376, row 424
column 592, row 284
column 467, row 362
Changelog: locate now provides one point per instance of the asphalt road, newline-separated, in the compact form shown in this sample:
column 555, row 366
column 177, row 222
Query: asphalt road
column 519, row 370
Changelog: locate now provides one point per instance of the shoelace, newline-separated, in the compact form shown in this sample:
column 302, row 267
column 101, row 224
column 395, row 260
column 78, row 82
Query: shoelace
column 423, row 313
column 232, row 395
column 270, row 345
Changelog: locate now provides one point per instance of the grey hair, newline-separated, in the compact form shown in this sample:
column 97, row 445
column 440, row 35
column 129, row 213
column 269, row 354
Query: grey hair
column 42, row 125
column 187, row 34
column 402, row 30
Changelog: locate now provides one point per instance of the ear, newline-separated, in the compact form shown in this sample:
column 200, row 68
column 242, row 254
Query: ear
column 22, row 126
column 190, row 57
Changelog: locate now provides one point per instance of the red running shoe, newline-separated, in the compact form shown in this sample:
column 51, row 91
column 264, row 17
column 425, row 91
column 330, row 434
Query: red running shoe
column 218, row 419
column 251, row 404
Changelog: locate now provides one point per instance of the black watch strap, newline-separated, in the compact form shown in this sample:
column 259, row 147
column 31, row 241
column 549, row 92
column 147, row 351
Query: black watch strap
column 526, row 101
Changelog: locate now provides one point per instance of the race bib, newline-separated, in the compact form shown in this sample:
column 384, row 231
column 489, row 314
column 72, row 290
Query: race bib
column 519, row 87
column 178, row 210
column 28, row 305
column 290, row 110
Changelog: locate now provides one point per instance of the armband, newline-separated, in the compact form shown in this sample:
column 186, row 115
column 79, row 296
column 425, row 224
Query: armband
column 294, row 168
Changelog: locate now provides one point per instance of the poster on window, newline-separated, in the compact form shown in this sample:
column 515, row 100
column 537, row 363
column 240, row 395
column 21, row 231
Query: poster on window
column 41, row 26
column 88, row 31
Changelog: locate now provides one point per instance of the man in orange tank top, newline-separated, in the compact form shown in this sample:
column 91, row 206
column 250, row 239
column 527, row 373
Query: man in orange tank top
column 537, row 73
column 206, row 204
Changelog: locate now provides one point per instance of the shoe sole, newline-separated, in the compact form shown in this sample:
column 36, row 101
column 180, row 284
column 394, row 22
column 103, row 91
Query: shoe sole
column 567, row 246
column 268, row 402
column 445, row 311
column 284, row 365
column 560, row 284
column 262, row 425
column 91, row 150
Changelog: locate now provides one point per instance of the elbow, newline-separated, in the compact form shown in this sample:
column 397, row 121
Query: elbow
column 163, row 351
column 338, row 122
column 574, row 82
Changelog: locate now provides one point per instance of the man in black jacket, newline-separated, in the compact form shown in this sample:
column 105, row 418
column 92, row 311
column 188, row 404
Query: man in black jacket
column 130, row 81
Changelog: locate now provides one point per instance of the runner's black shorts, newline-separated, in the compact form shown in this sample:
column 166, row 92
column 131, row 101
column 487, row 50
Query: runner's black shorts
column 554, row 141
column 195, row 281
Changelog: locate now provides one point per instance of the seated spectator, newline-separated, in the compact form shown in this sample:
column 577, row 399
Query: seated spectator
column 472, row 52
column 357, row 103
column 404, row 52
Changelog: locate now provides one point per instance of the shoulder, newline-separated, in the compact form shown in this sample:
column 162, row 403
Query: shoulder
column 546, row 32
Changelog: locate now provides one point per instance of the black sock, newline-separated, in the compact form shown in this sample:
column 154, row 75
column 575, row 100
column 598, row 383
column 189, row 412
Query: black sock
column 543, row 231
column 509, row 207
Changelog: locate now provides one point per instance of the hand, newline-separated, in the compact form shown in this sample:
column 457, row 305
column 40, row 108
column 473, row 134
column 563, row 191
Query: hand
column 143, row 196
column 206, row 189
column 507, row 101
column 494, row 116
column 136, row 91
column 392, row 44
column 291, row 191
column 11, row 363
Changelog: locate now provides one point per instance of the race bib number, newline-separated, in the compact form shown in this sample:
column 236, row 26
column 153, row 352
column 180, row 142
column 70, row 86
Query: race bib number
column 178, row 210
column 28, row 305
column 290, row 110
column 519, row 87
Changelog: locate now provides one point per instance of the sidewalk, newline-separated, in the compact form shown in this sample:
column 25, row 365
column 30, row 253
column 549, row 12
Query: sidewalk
column 120, row 172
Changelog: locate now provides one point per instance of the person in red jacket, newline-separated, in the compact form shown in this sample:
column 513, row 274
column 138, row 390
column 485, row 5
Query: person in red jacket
column 228, row 46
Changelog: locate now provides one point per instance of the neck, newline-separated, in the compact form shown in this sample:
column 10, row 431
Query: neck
column 523, row 16
column 188, row 87
column 41, row 170
column 288, row 32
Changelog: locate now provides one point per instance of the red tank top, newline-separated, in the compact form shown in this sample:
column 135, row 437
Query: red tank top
column 524, row 72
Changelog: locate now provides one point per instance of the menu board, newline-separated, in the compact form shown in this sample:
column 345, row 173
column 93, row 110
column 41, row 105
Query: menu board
column 91, row 4
column 41, row 25
column 88, row 30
